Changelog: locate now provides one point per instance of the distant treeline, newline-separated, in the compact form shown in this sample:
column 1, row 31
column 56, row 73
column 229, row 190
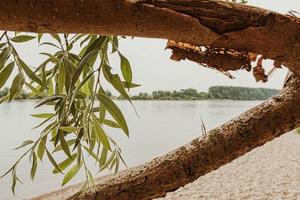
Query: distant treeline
column 22, row 95
column 215, row 92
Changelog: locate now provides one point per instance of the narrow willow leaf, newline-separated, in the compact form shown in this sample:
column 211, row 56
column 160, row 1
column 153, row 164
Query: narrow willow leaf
column 14, row 181
column 126, row 69
column 61, row 77
column 81, row 66
column 35, row 92
column 117, row 163
column 64, row 164
column 69, row 129
column 22, row 38
column 2, row 45
column 50, row 44
column 110, row 123
column 50, row 99
column 40, row 35
column 53, row 161
column 5, row 73
column 65, row 146
column 43, row 115
column 109, row 161
column 130, row 85
column 115, row 112
column 30, row 73
column 24, row 144
column 102, row 137
column 4, row 55
column 90, row 178
column 103, row 157
column 115, row 80
column 96, row 45
column 34, row 166
column 91, row 153
column 16, row 86
column 56, row 37
column 59, row 147
column 73, row 171
column 102, row 113
column 41, row 148
column 51, row 57
column 115, row 44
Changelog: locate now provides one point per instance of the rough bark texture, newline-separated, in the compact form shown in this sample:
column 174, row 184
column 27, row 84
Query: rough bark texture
column 200, row 22
column 253, row 128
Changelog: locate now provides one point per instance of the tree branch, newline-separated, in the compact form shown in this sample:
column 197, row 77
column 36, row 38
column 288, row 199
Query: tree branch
column 199, row 22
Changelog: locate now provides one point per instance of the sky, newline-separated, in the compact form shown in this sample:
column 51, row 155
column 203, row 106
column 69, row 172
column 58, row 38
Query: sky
column 153, row 69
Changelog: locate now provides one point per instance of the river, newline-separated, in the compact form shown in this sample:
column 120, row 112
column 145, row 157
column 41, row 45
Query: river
column 161, row 126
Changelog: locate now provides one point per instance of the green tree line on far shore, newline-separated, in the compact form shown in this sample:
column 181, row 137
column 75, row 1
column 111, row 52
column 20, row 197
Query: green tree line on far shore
column 215, row 92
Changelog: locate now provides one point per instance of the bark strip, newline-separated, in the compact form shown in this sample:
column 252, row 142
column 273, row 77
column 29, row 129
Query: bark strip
column 253, row 128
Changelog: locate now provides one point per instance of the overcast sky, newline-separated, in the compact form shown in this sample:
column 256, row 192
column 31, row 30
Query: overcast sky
column 154, row 70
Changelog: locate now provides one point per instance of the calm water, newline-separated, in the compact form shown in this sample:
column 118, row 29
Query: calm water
column 162, row 126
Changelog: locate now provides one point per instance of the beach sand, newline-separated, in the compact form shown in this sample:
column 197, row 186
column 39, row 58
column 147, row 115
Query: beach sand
column 271, row 171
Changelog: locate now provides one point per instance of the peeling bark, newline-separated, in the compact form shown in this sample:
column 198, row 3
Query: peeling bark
column 211, row 23
column 221, row 145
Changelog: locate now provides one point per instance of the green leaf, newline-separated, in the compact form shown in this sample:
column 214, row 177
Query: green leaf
column 40, row 35
column 108, row 162
column 42, row 147
column 2, row 45
column 114, row 111
column 14, row 181
column 43, row 115
column 103, row 157
column 73, row 171
column 30, row 73
column 34, row 166
column 102, row 137
column 16, row 86
column 126, row 69
column 81, row 66
column 110, row 123
column 24, row 144
column 22, row 38
column 56, row 37
column 65, row 146
column 69, row 129
column 4, row 55
column 59, row 147
column 115, row 80
column 53, row 161
column 61, row 77
column 130, row 85
column 5, row 73
column 66, row 163
column 92, row 153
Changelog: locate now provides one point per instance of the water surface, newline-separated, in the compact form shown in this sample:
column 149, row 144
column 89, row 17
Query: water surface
column 161, row 127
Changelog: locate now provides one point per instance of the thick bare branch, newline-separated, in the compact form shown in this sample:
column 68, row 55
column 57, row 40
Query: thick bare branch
column 199, row 22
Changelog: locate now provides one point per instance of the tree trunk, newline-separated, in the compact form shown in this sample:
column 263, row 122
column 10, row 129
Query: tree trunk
column 199, row 22
column 219, row 146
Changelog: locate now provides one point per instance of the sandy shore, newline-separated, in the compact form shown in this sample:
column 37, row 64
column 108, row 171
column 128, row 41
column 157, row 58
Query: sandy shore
column 271, row 171
column 268, row 172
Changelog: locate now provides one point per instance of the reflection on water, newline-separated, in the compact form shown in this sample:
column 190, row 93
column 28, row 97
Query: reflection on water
column 162, row 126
